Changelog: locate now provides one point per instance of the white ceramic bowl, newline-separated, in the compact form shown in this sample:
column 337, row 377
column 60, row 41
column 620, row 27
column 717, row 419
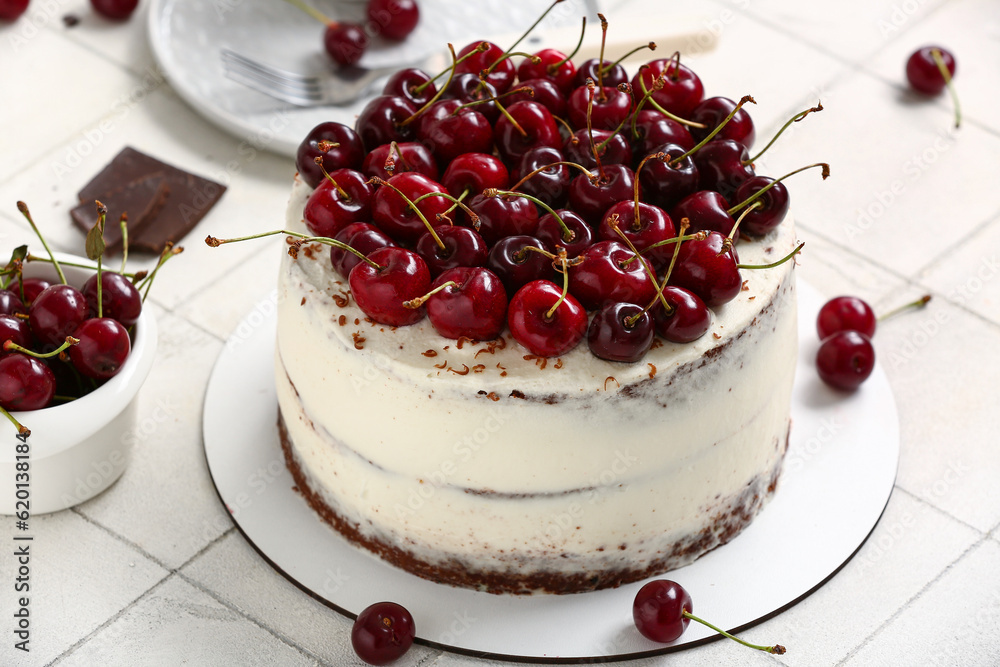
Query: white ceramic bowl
column 80, row 448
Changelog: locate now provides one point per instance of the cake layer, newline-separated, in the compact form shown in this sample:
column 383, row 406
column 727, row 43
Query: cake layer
column 482, row 461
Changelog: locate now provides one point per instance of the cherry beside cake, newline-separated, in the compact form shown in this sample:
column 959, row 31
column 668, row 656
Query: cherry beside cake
column 548, row 361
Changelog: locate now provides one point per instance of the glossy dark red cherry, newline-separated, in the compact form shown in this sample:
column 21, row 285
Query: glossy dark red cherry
column 382, row 633
column 464, row 131
column 708, row 269
column 116, row 10
column 772, row 208
column 552, row 65
column 56, row 313
column 658, row 610
column 532, row 327
column 723, row 165
column 396, row 19
column 120, row 300
column 845, row 360
column 345, row 43
column 923, row 72
column 689, row 319
column 475, row 307
column 845, row 313
column 575, row 238
column 550, row 185
column 543, row 91
column 412, row 83
column 380, row 122
column 654, row 129
column 712, row 111
column 592, row 199
column 11, row 9
column 103, row 348
column 504, row 215
column 682, row 90
column 614, row 336
column 363, row 237
column 331, row 207
column 607, row 110
column 396, row 217
column 462, row 247
column 15, row 330
column 610, row 272
column 539, row 129
column 611, row 147
column 611, row 75
column 25, row 383
column 653, row 225
column 705, row 210
column 349, row 152
column 471, row 173
column 10, row 303
column 402, row 275
column 402, row 156
column 501, row 76
column 516, row 266
column 667, row 181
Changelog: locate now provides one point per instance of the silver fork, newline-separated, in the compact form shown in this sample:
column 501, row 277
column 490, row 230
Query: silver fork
column 334, row 88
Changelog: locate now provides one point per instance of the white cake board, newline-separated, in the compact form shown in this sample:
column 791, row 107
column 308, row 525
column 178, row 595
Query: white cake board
column 839, row 472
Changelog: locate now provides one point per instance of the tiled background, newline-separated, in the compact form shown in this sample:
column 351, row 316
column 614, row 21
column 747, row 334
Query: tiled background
column 152, row 572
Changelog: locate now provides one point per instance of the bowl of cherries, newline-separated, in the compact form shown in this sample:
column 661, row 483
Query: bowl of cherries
column 72, row 361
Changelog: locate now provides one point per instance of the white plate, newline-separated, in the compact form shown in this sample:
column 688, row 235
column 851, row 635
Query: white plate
column 839, row 472
column 187, row 36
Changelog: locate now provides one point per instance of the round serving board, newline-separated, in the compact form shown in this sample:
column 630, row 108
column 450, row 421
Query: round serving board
column 839, row 472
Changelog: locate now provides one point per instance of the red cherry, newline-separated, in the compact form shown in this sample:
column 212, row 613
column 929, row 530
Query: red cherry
column 475, row 307
column 923, row 72
column 682, row 90
column 713, row 111
column 845, row 313
column 543, row 91
column 472, row 173
column 29, row 288
column 591, row 200
column 706, row 210
column 25, row 383
column 553, row 236
column 345, row 43
column 538, row 126
column 550, row 185
column 120, row 300
column 327, row 210
column 532, row 326
column 15, row 330
column 708, row 269
column 395, row 18
column 463, row 247
column 655, row 129
column 56, row 313
column 613, row 336
column 652, row 226
column 396, row 217
column 689, row 320
column 502, row 74
column 10, row 303
column 667, row 181
column 546, row 68
column 723, row 165
column 380, row 122
column 116, row 10
column 613, row 75
column 348, row 154
column 412, row 83
column 845, row 360
column 103, row 348
column 467, row 88
column 11, row 9
column 402, row 275
column 773, row 205
column 361, row 236
column 383, row 632
column 610, row 272
column 658, row 610
column 516, row 266
column 463, row 131
column 406, row 156
column 612, row 148
column 504, row 215
column 609, row 108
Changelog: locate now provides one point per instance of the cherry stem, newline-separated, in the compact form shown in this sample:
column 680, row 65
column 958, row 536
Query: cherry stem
column 413, row 304
column 773, row 264
column 567, row 233
column 23, row 208
column 213, row 242
column 343, row 194
column 315, row 13
column 685, row 223
column 625, row 88
column 456, row 201
column 590, row 125
column 672, row 116
column 168, row 251
column 613, row 222
column 11, row 346
column 411, row 204
column 919, row 303
column 22, row 430
column 554, row 67
column 522, row 254
column 513, row 122
column 600, row 58
column 825, row 172
column 437, row 95
column 123, row 224
column 590, row 176
column 36, row 258
column 482, row 48
column 718, row 128
column 635, row 195
column 508, row 53
column 651, row 46
column 794, row 119
column 777, row 648
column 946, row 75
column 102, row 216
column 560, row 259
column 728, row 242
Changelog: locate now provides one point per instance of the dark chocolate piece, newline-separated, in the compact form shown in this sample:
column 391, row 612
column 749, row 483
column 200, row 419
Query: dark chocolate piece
column 141, row 199
column 190, row 197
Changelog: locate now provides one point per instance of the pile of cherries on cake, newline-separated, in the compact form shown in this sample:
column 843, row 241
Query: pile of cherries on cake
column 520, row 194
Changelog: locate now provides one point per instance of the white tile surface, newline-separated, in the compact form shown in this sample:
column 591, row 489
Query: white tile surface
column 122, row 42
column 79, row 577
column 177, row 624
column 920, row 636
column 267, row 597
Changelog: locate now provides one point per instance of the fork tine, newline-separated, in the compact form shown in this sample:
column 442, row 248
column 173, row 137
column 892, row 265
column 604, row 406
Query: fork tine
column 268, row 78
column 289, row 95
column 235, row 59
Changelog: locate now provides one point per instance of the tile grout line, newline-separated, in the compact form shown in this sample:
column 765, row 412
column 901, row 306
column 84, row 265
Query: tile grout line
column 993, row 218
column 906, row 605
column 940, row 511
column 83, row 640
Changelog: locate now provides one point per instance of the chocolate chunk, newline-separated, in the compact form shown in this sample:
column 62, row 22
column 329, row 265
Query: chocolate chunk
column 190, row 198
column 141, row 199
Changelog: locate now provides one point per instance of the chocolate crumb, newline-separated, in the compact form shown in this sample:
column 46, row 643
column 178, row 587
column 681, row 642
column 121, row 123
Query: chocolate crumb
column 359, row 340
column 356, row 321
column 303, row 302
column 612, row 378
column 558, row 364
column 341, row 299
column 462, row 340
column 656, row 343
column 71, row 20
column 429, row 353
column 652, row 371
column 541, row 362
column 744, row 287
column 443, row 364
column 464, row 371
column 716, row 336
column 478, row 368
column 493, row 396
column 517, row 393
column 342, row 320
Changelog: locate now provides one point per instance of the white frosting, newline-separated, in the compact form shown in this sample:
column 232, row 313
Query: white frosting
column 600, row 465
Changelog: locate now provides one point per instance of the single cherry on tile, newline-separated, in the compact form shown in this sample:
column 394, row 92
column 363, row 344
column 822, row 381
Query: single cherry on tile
column 25, row 383
column 116, row 10
column 845, row 359
column 10, row 10
column 382, row 633
column 930, row 70
column 395, row 19
column 662, row 610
